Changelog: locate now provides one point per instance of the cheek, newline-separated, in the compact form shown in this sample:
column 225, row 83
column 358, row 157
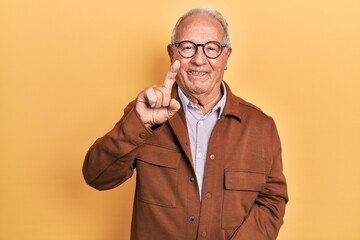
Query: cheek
column 181, row 75
column 218, row 66
column 183, row 68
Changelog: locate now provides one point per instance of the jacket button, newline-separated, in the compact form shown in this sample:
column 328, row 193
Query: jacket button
column 143, row 135
column 212, row 156
column 203, row 234
column 208, row 195
column 192, row 179
column 192, row 218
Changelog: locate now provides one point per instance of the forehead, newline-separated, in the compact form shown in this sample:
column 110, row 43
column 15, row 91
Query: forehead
column 200, row 28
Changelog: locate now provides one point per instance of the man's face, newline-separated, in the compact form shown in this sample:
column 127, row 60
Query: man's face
column 200, row 76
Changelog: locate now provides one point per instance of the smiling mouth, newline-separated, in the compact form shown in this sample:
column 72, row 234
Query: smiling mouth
column 197, row 73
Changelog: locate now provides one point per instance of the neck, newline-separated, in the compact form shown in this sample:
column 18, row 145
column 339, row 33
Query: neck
column 206, row 102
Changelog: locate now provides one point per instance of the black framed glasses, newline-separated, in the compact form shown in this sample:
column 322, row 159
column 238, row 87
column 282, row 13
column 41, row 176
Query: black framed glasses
column 188, row 49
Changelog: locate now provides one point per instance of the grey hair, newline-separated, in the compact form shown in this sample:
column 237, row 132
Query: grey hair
column 209, row 11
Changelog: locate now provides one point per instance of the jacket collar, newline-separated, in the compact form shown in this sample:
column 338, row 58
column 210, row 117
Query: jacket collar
column 233, row 105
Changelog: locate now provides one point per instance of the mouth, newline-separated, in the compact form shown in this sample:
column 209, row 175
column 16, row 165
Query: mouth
column 197, row 73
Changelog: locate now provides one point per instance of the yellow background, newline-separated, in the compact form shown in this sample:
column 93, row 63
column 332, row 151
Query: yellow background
column 69, row 67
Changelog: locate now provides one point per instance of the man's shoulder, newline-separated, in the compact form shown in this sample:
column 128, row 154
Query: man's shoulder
column 245, row 109
column 251, row 106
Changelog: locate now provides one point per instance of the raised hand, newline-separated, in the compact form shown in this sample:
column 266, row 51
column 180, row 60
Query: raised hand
column 154, row 104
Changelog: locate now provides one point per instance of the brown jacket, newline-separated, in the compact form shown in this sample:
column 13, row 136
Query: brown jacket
column 244, row 192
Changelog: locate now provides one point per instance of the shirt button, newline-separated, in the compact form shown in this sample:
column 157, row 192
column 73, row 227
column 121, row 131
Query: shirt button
column 212, row 156
column 203, row 234
column 192, row 179
column 192, row 218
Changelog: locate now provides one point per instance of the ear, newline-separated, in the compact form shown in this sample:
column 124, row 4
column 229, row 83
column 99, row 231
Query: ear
column 227, row 54
column 170, row 52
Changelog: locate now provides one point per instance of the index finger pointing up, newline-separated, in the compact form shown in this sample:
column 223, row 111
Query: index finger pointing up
column 170, row 76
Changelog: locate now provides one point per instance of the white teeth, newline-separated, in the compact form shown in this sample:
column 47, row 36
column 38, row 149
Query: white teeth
column 197, row 73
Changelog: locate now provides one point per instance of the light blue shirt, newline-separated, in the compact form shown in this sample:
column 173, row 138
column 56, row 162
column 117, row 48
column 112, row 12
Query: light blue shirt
column 200, row 128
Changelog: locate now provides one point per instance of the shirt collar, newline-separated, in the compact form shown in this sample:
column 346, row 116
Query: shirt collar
column 219, row 105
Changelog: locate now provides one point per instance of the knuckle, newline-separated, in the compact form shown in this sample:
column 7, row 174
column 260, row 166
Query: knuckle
column 159, row 94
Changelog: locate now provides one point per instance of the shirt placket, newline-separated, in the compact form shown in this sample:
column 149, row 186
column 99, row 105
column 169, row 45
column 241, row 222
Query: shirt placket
column 200, row 151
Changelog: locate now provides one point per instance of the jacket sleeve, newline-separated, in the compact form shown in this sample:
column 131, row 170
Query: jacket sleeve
column 266, row 215
column 110, row 160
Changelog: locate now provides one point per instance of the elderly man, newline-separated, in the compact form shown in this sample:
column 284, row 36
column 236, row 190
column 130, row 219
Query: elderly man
column 208, row 163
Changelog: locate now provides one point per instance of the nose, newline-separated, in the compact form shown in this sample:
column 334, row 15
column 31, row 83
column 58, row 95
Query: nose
column 199, row 58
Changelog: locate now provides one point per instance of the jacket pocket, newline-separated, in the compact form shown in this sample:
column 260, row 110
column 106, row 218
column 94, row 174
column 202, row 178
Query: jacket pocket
column 240, row 193
column 157, row 175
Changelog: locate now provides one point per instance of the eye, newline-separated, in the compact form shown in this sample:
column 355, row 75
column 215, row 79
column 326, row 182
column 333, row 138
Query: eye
column 212, row 47
column 186, row 46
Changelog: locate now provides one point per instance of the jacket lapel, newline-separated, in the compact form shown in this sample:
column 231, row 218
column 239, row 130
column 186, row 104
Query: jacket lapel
column 178, row 125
